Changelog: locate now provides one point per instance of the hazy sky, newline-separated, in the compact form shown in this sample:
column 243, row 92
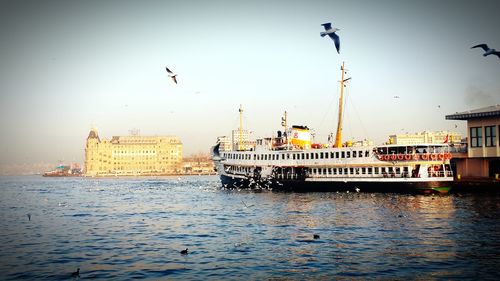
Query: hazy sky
column 66, row 66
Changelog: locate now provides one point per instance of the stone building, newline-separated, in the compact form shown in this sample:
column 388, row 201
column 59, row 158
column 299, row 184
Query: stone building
column 483, row 147
column 132, row 155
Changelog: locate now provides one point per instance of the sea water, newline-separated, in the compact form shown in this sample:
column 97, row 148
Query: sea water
column 122, row 229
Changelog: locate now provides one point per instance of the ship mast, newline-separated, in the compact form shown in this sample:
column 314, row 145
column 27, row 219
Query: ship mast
column 240, row 141
column 284, row 123
column 338, row 136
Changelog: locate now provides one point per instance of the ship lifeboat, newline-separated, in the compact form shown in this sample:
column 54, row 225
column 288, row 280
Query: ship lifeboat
column 441, row 156
column 415, row 157
column 380, row 157
column 434, row 156
column 425, row 156
column 393, row 157
column 407, row 157
column 447, row 156
column 400, row 157
column 387, row 157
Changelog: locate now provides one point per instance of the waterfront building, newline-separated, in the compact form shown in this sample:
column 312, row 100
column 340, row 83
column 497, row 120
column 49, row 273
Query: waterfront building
column 483, row 147
column 132, row 155
column 240, row 140
column 198, row 164
column 426, row 137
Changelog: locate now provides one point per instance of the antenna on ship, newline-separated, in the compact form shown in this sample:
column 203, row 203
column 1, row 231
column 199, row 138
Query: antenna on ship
column 338, row 136
column 240, row 142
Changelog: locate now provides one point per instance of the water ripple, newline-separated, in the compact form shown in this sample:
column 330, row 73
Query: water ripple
column 120, row 229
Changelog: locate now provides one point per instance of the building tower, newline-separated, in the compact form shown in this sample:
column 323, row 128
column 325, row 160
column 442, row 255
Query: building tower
column 91, row 151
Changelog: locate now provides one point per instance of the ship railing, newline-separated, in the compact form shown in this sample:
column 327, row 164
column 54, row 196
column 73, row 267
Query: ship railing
column 439, row 174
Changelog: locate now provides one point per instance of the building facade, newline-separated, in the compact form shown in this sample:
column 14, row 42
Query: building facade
column 132, row 155
column 241, row 141
column 426, row 137
column 483, row 145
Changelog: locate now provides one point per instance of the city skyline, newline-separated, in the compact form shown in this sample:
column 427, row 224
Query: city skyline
column 70, row 66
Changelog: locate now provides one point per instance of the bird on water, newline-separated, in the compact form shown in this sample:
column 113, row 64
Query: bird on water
column 487, row 50
column 76, row 274
column 184, row 252
column 171, row 75
column 331, row 32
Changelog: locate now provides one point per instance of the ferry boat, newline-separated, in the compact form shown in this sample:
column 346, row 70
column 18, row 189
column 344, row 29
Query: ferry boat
column 290, row 161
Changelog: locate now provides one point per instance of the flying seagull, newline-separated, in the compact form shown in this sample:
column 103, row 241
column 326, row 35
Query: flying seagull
column 331, row 32
column 487, row 51
column 171, row 75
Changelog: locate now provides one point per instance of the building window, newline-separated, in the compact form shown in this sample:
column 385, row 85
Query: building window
column 476, row 137
column 490, row 135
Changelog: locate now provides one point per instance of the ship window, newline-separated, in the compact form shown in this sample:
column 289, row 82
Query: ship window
column 343, row 154
column 354, row 154
column 293, row 156
column 329, row 171
column 375, row 170
column 340, row 171
column 320, row 171
column 331, row 155
column 370, row 170
column 348, row 154
column 334, row 171
column 345, row 171
column 326, row 155
column 283, row 156
column 336, row 154
column 357, row 171
column 258, row 157
column 321, row 155
column 363, row 171
column 316, row 156
column 288, row 156
column 303, row 156
column 367, row 153
column 307, row 155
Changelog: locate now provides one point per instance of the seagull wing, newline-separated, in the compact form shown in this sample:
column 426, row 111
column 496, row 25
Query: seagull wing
column 483, row 46
column 168, row 70
column 174, row 78
column 327, row 25
column 497, row 53
column 336, row 40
